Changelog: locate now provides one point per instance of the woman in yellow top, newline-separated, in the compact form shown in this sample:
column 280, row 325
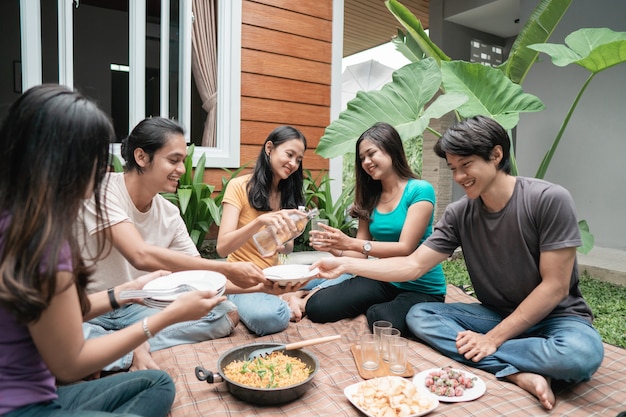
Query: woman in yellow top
column 264, row 198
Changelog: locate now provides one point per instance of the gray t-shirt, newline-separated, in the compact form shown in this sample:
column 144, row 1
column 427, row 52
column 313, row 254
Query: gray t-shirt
column 502, row 249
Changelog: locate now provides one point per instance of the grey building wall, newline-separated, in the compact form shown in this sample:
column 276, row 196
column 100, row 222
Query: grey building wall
column 590, row 160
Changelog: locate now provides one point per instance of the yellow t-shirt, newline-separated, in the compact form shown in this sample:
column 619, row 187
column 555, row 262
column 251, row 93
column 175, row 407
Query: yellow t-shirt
column 236, row 194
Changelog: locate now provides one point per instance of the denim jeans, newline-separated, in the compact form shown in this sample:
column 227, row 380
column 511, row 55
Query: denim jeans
column 214, row 325
column 319, row 283
column 130, row 394
column 562, row 348
column 262, row 313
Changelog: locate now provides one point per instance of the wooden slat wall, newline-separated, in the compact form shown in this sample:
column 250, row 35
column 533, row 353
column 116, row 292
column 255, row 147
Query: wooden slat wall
column 286, row 76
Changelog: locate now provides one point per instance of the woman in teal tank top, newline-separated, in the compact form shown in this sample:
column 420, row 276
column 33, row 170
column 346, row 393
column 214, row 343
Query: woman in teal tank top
column 395, row 213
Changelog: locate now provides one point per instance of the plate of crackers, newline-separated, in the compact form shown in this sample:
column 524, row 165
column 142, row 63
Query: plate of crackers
column 390, row 396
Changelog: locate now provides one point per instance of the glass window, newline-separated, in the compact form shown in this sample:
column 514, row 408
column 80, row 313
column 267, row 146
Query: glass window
column 99, row 66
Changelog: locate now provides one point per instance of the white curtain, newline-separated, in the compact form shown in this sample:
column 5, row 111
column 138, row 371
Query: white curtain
column 204, row 63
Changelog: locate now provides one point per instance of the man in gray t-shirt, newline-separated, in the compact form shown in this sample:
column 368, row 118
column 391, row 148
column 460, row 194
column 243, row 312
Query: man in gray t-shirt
column 519, row 237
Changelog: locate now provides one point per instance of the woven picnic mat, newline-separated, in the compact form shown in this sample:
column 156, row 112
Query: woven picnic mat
column 604, row 395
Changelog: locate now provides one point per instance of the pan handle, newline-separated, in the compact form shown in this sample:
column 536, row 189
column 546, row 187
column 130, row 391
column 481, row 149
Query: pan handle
column 303, row 343
column 206, row 375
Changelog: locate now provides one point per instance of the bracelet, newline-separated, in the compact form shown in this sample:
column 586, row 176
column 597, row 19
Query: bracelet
column 146, row 330
column 114, row 304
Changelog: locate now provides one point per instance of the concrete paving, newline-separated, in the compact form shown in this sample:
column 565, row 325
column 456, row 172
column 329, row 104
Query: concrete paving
column 605, row 264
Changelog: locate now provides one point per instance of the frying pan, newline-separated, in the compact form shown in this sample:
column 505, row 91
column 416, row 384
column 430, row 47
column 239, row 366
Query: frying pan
column 260, row 396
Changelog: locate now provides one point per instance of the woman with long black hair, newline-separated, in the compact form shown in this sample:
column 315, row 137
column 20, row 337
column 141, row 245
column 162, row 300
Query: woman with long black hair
column 55, row 153
column 265, row 198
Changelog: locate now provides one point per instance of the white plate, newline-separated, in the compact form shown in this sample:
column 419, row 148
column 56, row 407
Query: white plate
column 289, row 273
column 200, row 280
column 468, row 395
column 351, row 390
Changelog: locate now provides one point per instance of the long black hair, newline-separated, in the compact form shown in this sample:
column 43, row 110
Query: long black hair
column 259, row 186
column 368, row 190
column 54, row 142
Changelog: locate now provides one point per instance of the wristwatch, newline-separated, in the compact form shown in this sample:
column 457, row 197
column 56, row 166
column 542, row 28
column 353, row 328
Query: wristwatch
column 367, row 247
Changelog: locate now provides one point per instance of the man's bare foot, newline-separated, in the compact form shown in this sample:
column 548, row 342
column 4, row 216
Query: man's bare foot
column 233, row 315
column 142, row 359
column 537, row 385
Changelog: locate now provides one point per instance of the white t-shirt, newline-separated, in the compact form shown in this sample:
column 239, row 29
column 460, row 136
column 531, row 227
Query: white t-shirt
column 161, row 226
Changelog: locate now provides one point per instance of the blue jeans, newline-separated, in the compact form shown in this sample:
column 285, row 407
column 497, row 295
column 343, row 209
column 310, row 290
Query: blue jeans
column 214, row 325
column 562, row 348
column 131, row 394
column 319, row 283
column 262, row 313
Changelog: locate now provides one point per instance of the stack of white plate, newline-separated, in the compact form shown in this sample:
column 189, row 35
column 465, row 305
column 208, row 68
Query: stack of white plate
column 200, row 280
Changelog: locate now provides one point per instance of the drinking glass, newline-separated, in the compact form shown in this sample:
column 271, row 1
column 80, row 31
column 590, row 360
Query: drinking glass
column 385, row 335
column 370, row 359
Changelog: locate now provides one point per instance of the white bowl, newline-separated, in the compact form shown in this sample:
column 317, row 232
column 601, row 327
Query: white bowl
column 289, row 273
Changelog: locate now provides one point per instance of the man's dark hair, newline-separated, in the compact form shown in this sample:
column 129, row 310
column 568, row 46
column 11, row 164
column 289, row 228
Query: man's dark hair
column 476, row 136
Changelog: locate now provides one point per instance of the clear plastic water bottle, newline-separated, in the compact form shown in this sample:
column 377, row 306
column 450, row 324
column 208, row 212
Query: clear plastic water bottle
column 268, row 239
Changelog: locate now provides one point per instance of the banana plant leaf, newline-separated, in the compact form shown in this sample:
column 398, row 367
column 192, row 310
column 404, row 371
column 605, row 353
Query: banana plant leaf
column 489, row 92
column 538, row 28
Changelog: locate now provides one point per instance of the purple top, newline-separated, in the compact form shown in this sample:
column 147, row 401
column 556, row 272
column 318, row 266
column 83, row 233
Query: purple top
column 24, row 377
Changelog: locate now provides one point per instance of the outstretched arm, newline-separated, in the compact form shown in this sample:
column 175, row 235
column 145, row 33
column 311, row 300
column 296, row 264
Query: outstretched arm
column 58, row 333
column 405, row 268
column 143, row 256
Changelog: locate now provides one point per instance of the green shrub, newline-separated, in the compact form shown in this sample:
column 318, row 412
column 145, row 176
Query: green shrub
column 198, row 207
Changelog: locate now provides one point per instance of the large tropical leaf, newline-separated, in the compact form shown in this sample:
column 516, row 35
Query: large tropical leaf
column 537, row 29
column 442, row 105
column 489, row 92
column 415, row 30
column 593, row 49
column 399, row 102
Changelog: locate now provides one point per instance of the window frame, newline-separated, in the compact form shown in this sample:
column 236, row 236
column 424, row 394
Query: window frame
column 227, row 152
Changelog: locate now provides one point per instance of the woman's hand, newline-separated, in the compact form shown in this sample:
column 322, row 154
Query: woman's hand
column 192, row 305
column 329, row 238
column 280, row 219
column 138, row 284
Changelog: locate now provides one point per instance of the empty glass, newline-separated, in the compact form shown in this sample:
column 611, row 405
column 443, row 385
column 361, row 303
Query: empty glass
column 369, row 352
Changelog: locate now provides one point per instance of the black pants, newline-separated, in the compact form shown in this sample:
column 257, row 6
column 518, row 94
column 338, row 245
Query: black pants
column 376, row 299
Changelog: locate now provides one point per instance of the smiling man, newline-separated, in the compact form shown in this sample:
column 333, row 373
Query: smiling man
column 144, row 232
column 519, row 237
